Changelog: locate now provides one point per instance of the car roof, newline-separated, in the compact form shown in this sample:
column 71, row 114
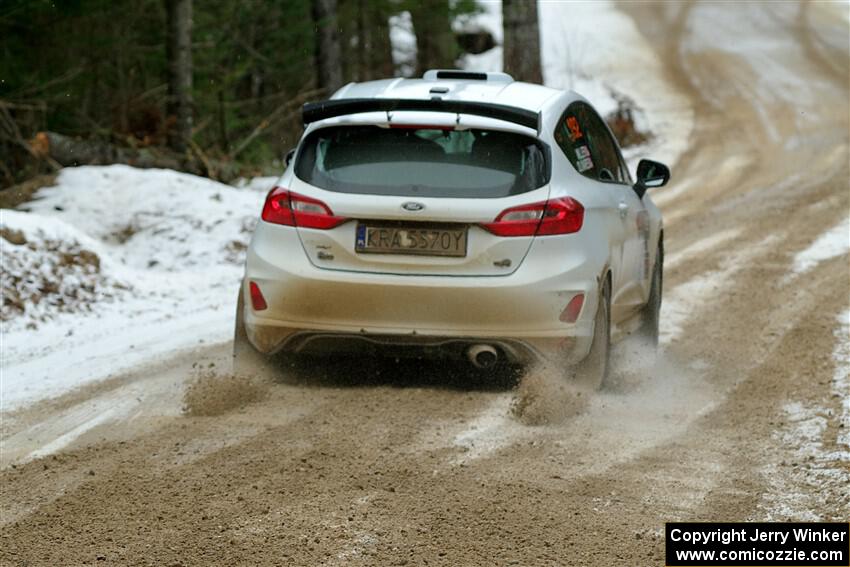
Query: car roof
column 499, row 88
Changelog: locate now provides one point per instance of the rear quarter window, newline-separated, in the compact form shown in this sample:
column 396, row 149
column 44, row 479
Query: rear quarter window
column 588, row 145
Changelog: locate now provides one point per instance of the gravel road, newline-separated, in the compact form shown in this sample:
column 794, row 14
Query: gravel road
column 377, row 463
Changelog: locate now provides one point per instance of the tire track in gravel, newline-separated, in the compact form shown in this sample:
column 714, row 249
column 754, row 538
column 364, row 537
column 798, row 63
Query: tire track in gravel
column 385, row 464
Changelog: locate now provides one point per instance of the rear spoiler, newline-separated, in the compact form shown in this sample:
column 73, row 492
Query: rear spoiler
column 315, row 111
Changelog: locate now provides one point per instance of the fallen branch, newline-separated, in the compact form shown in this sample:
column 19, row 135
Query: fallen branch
column 278, row 114
column 10, row 132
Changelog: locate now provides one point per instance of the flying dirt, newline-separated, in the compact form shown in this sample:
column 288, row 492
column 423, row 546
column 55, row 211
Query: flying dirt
column 744, row 414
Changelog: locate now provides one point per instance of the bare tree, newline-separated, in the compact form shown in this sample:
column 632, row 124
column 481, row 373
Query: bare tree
column 522, row 40
column 179, row 56
column 327, row 53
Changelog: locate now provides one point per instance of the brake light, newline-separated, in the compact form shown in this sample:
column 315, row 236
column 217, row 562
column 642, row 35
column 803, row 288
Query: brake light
column 444, row 127
column 555, row 216
column 291, row 209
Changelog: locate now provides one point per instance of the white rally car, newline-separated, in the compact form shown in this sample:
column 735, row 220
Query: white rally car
column 461, row 215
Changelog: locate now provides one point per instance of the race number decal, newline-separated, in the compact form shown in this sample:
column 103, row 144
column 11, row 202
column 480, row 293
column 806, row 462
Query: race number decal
column 575, row 130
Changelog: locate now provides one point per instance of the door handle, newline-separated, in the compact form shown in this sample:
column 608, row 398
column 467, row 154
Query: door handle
column 623, row 207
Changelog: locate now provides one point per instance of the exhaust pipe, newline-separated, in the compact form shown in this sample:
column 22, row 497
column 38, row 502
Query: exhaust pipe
column 482, row 356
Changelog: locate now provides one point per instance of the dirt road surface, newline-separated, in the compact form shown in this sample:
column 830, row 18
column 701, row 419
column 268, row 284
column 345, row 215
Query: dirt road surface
column 373, row 463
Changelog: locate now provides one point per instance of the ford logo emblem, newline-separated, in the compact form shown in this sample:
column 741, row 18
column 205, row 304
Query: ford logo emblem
column 412, row 206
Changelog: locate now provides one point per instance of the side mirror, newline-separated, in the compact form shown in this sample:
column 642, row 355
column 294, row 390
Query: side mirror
column 651, row 174
column 289, row 155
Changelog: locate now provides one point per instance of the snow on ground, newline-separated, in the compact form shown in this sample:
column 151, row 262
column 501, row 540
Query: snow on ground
column 831, row 244
column 841, row 381
column 120, row 266
column 262, row 184
column 592, row 48
column 820, row 453
column 49, row 268
column 492, row 429
column 682, row 301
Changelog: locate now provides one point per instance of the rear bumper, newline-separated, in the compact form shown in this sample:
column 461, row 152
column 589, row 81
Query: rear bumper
column 271, row 339
column 414, row 346
column 313, row 309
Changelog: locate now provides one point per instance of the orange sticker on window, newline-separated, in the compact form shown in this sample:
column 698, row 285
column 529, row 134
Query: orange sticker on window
column 575, row 130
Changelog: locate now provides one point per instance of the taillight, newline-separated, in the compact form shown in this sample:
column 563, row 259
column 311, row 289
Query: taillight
column 556, row 216
column 291, row 209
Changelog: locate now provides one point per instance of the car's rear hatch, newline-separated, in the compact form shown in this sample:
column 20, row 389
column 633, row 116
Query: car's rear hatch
column 415, row 198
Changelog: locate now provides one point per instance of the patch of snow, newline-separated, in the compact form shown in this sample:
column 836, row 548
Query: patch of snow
column 815, row 476
column 102, row 416
column 175, row 241
column 261, row 184
column 403, row 42
column 49, row 268
column 154, row 220
column 831, row 244
column 491, row 429
column 681, row 302
column 769, row 64
column 728, row 169
column 698, row 248
column 841, row 379
column 819, row 473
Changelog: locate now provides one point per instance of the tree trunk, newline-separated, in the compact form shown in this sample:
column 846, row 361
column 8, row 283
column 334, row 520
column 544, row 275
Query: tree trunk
column 436, row 47
column 381, row 48
column 522, row 40
column 327, row 53
column 362, row 35
column 179, row 55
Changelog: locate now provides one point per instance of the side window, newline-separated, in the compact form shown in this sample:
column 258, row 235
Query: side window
column 602, row 145
column 585, row 140
column 571, row 136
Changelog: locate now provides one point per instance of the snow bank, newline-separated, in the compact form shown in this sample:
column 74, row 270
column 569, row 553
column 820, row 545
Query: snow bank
column 597, row 51
column 49, row 268
column 155, row 220
column 120, row 267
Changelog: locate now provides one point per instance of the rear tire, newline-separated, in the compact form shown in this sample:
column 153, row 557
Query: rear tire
column 592, row 372
column 246, row 360
column 651, row 312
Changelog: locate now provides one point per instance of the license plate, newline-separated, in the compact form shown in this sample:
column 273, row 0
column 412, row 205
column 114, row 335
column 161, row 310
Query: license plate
column 423, row 241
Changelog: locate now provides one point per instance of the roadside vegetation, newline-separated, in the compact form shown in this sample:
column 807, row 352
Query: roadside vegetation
column 215, row 88
column 212, row 88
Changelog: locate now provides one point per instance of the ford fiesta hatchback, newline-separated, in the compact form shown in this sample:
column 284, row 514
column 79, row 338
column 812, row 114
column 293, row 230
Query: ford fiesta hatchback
column 458, row 215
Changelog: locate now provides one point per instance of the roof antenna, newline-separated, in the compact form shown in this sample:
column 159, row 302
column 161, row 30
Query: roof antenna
column 457, row 121
column 389, row 116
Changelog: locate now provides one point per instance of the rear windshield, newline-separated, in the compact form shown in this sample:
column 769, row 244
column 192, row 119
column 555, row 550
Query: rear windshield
column 424, row 162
